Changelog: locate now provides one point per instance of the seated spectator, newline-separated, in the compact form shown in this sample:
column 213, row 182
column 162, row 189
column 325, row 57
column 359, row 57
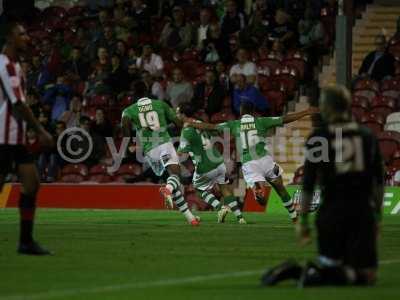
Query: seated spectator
column 179, row 90
column 122, row 51
column 133, row 72
column 284, row 30
column 277, row 50
column 177, row 34
column 108, row 40
column 103, row 59
column 150, row 61
column 215, row 47
column 245, row 92
column 154, row 87
column 233, row 21
column 222, row 75
column 118, row 78
column 72, row 116
column 312, row 35
column 140, row 12
column 243, row 67
column 266, row 10
column 101, row 125
column 202, row 29
column 76, row 65
column 98, row 82
column 50, row 162
column 378, row 64
column 253, row 34
column 209, row 95
column 58, row 97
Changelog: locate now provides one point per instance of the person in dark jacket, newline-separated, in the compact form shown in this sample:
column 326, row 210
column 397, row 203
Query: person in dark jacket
column 209, row 94
column 379, row 63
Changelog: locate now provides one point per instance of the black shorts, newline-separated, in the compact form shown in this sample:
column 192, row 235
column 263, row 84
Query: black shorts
column 13, row 155
column 351, row 240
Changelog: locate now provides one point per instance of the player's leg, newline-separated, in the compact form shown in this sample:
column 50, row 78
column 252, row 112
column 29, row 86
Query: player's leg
column 232, row 202
column 30, row 182
column 174, row 185
column 287, row 201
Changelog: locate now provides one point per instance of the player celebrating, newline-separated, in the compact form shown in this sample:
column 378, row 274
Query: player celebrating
column 151, row 117
column 349, row 171
column 15, row 115
column 258, row 166
column 210, row 170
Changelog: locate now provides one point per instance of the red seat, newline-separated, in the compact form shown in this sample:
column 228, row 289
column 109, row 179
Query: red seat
column 358, row 112
column 76, row 11
column 389, row 143
column 129, row 169
column 98, row 169
column 288, row 79
column 100, row 100
column 366, row 84
column 100, row 178
column 75, row 169
column 374, row 122
column 297, row 63
column 222, row 116
column 72, row 178
column 383, row 106
column 277, row 100
column 272, row 63
column 390, row 88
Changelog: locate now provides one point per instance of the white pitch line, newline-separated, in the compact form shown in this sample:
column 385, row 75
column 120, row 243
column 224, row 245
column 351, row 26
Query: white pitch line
column 138, row 285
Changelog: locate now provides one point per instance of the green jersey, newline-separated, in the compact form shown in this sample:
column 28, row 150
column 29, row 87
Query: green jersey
column 151, row 118
column 250, row 134
column 204, row 155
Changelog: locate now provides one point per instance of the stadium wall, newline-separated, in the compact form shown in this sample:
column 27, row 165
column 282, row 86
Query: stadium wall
column 97, row 196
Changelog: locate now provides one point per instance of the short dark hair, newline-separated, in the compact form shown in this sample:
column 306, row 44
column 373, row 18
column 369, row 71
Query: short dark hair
column 84, row 119
column 139, row 89
column 247, row 107
column 337, row 97
column 8, row 28
column 189, row 110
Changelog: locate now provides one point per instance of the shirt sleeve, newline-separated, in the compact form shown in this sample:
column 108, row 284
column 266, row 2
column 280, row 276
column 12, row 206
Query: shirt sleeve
column 251, row 69
column 12, row 83
column 225, row 126
column 159, row 63
column 184, row 141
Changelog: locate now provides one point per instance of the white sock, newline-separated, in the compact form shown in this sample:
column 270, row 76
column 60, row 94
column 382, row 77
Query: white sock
column 188, row 215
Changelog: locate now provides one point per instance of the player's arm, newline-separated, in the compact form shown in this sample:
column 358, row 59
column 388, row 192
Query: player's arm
column 172, row 115
column 201, row 125
column 289, row 118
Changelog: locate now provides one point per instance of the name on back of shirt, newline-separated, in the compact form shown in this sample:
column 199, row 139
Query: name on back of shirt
column 144, row 108
column 247, row 126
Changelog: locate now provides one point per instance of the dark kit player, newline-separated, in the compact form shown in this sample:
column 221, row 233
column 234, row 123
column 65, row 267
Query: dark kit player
column 344, row 158
column 15, row 116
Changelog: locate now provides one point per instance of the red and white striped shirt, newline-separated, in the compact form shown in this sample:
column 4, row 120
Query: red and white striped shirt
column 12, row 129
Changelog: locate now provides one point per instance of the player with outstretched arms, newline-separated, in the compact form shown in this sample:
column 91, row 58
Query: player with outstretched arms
column 210, row 170
column 15, row 116
column 258, row 166
column 150, row 118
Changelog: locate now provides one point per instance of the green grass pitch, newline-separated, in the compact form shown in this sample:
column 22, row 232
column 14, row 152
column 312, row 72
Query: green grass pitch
column 155, row 255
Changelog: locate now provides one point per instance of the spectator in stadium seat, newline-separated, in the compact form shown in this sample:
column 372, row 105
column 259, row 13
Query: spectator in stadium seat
column 215, row 47
column 133, row 72
column 253, row 34
column 118, row 78
column 154, row 87
column 108, row 39
column 73, row 114
column 284, row 30
column 101, row 125
column 51, row 160
column 243, row 67
column 202, row 28
column 378, row 64
column 76, row 65
column 245, row 92
column 103, row 59
column 179, row 90
column 58, row 97
column 209, row 94
column 150, row 61
column 233, row 21
column 222, row 75
column 177, row 34
column 122, row 51
column 140, row 12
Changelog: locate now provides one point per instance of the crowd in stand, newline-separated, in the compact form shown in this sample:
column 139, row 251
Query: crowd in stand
column 211, row 53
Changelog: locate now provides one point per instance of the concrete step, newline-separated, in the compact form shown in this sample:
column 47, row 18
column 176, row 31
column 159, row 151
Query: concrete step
column 381, row 9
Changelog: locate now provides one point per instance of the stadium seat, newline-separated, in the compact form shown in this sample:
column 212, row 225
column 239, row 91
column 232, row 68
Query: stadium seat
column 272, row 63
column 358, row 112
column 390, row 88
column 98, row 169
column 75, row 169
column 129, row 169
column 222, row 116
column 366, row 88
column 297, row 63
column 393, row 122
column 100, row 178
column 383, row 106
column 277, row 100
column 389, row 143
column 72, row 178
column 373, row 122
column 99, row 100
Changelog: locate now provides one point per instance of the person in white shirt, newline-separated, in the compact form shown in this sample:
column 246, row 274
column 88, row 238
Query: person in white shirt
column 153, row 86
column 243, row 67
column 202, row 29
column 150, row 62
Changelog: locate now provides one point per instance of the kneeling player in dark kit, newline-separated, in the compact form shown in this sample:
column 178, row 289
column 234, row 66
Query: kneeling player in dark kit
column 344, row 159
